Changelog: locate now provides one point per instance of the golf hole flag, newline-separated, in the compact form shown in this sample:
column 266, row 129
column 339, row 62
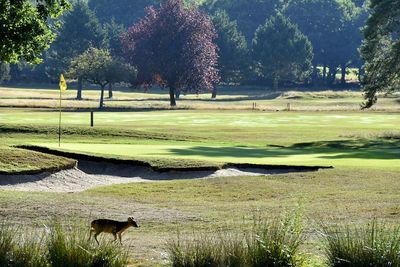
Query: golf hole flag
column 63, row 88
column 63, row 83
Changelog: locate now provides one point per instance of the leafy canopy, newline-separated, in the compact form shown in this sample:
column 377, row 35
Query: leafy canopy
column 381, row 50
column 281, row 50
column 173, row 43
column 25, row 29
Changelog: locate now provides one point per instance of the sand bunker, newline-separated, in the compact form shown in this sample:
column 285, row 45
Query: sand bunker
column 93, row 174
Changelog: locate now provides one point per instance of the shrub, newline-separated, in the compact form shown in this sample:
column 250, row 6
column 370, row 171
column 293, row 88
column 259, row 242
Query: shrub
column 372, row 245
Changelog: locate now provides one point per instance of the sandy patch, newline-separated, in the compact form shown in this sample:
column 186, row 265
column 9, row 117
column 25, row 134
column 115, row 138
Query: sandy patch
column 93, row 174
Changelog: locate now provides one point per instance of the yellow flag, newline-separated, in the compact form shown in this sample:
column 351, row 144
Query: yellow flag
column 63, row 83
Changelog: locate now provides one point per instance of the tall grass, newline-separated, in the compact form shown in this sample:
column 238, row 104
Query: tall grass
column 27, row 252
column 72, row 248
column 59, row 246
column 372, row 245
column 268, row 243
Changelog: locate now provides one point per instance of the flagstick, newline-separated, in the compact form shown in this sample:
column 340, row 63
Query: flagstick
column 59, row 124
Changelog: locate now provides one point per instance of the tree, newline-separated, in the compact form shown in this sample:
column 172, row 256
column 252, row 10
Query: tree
column 98, row 67
column 232, row 48
column 4, row 72
column 173, row 46
column 24, row 28
column 113, row 32
column 381, row 50
column 80, row 30
column 332, row 28
column 125, row 12
column 281, row 50
column 249, row 14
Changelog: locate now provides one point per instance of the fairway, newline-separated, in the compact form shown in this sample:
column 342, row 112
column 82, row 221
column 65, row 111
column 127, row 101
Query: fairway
column 352, row 139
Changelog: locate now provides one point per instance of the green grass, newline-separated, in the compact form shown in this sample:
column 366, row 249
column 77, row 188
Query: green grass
column 229, row 98
column 374, row 244
column 340, row 139
column 363, row 146
column 20, row 161
column 57, row 247
column 268, row 243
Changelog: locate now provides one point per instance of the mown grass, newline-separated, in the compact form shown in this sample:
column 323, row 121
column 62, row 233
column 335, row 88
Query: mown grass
column 21, row 161
column 229, row 98
column 345, row 139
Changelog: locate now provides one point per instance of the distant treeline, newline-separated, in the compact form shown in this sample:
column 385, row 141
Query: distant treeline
column 299, row 41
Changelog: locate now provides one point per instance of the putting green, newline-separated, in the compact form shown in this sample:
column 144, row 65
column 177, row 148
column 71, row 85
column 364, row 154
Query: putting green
column 346, row 157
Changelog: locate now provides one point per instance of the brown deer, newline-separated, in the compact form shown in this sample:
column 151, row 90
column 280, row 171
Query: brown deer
column 110, row 226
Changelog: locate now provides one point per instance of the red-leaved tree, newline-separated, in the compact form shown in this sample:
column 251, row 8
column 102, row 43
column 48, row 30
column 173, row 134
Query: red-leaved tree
column 173, row 47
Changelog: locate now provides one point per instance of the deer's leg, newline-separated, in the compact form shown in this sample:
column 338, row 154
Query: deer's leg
column 115, row 236
column 95, row 238
column 90, row 233
column 119, row 236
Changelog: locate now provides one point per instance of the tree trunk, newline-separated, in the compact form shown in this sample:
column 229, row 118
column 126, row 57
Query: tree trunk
column 343, row 79
column 172, row 96
column 314, row 78
column 214, row 93
column 332, row 75
column 110, row 90
column 79, row 89
column 324, row 72
column 275, row 82
column 102, row 97
column 360, row 73
column 177, row 94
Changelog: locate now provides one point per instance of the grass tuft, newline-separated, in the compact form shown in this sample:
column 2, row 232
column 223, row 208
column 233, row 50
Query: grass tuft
column 268, row 243
column 60, row 247
column 71, row 247
column 372, row 245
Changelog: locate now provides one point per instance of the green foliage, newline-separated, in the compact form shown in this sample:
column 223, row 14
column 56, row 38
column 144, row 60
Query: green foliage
column 249, row 14
column 18, row 250
column 372, row 245
column 381, row 50
column 332, row 27
column 25, row 31
column 97, row 66
column 80, row 30
column 59, row 247
column 113, row 32
column 281, row 50
column 125, row 12
column 232, row 45
column 268, row 243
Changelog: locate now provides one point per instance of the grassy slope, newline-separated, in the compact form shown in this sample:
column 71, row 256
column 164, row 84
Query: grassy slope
column 20, row 161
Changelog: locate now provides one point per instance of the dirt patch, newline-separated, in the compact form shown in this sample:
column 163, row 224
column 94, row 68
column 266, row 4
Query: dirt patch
column 90, row 174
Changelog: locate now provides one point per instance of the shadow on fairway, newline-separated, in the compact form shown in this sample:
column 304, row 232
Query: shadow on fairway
column 361, row 149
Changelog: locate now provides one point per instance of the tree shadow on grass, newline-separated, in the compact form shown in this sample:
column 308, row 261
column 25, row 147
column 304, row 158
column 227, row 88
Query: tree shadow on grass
column 359, row 148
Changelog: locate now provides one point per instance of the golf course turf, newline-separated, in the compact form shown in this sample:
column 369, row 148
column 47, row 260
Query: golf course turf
column 362, row 146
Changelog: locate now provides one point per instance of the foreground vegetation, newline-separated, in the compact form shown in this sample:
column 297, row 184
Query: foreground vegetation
column 58, row 247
